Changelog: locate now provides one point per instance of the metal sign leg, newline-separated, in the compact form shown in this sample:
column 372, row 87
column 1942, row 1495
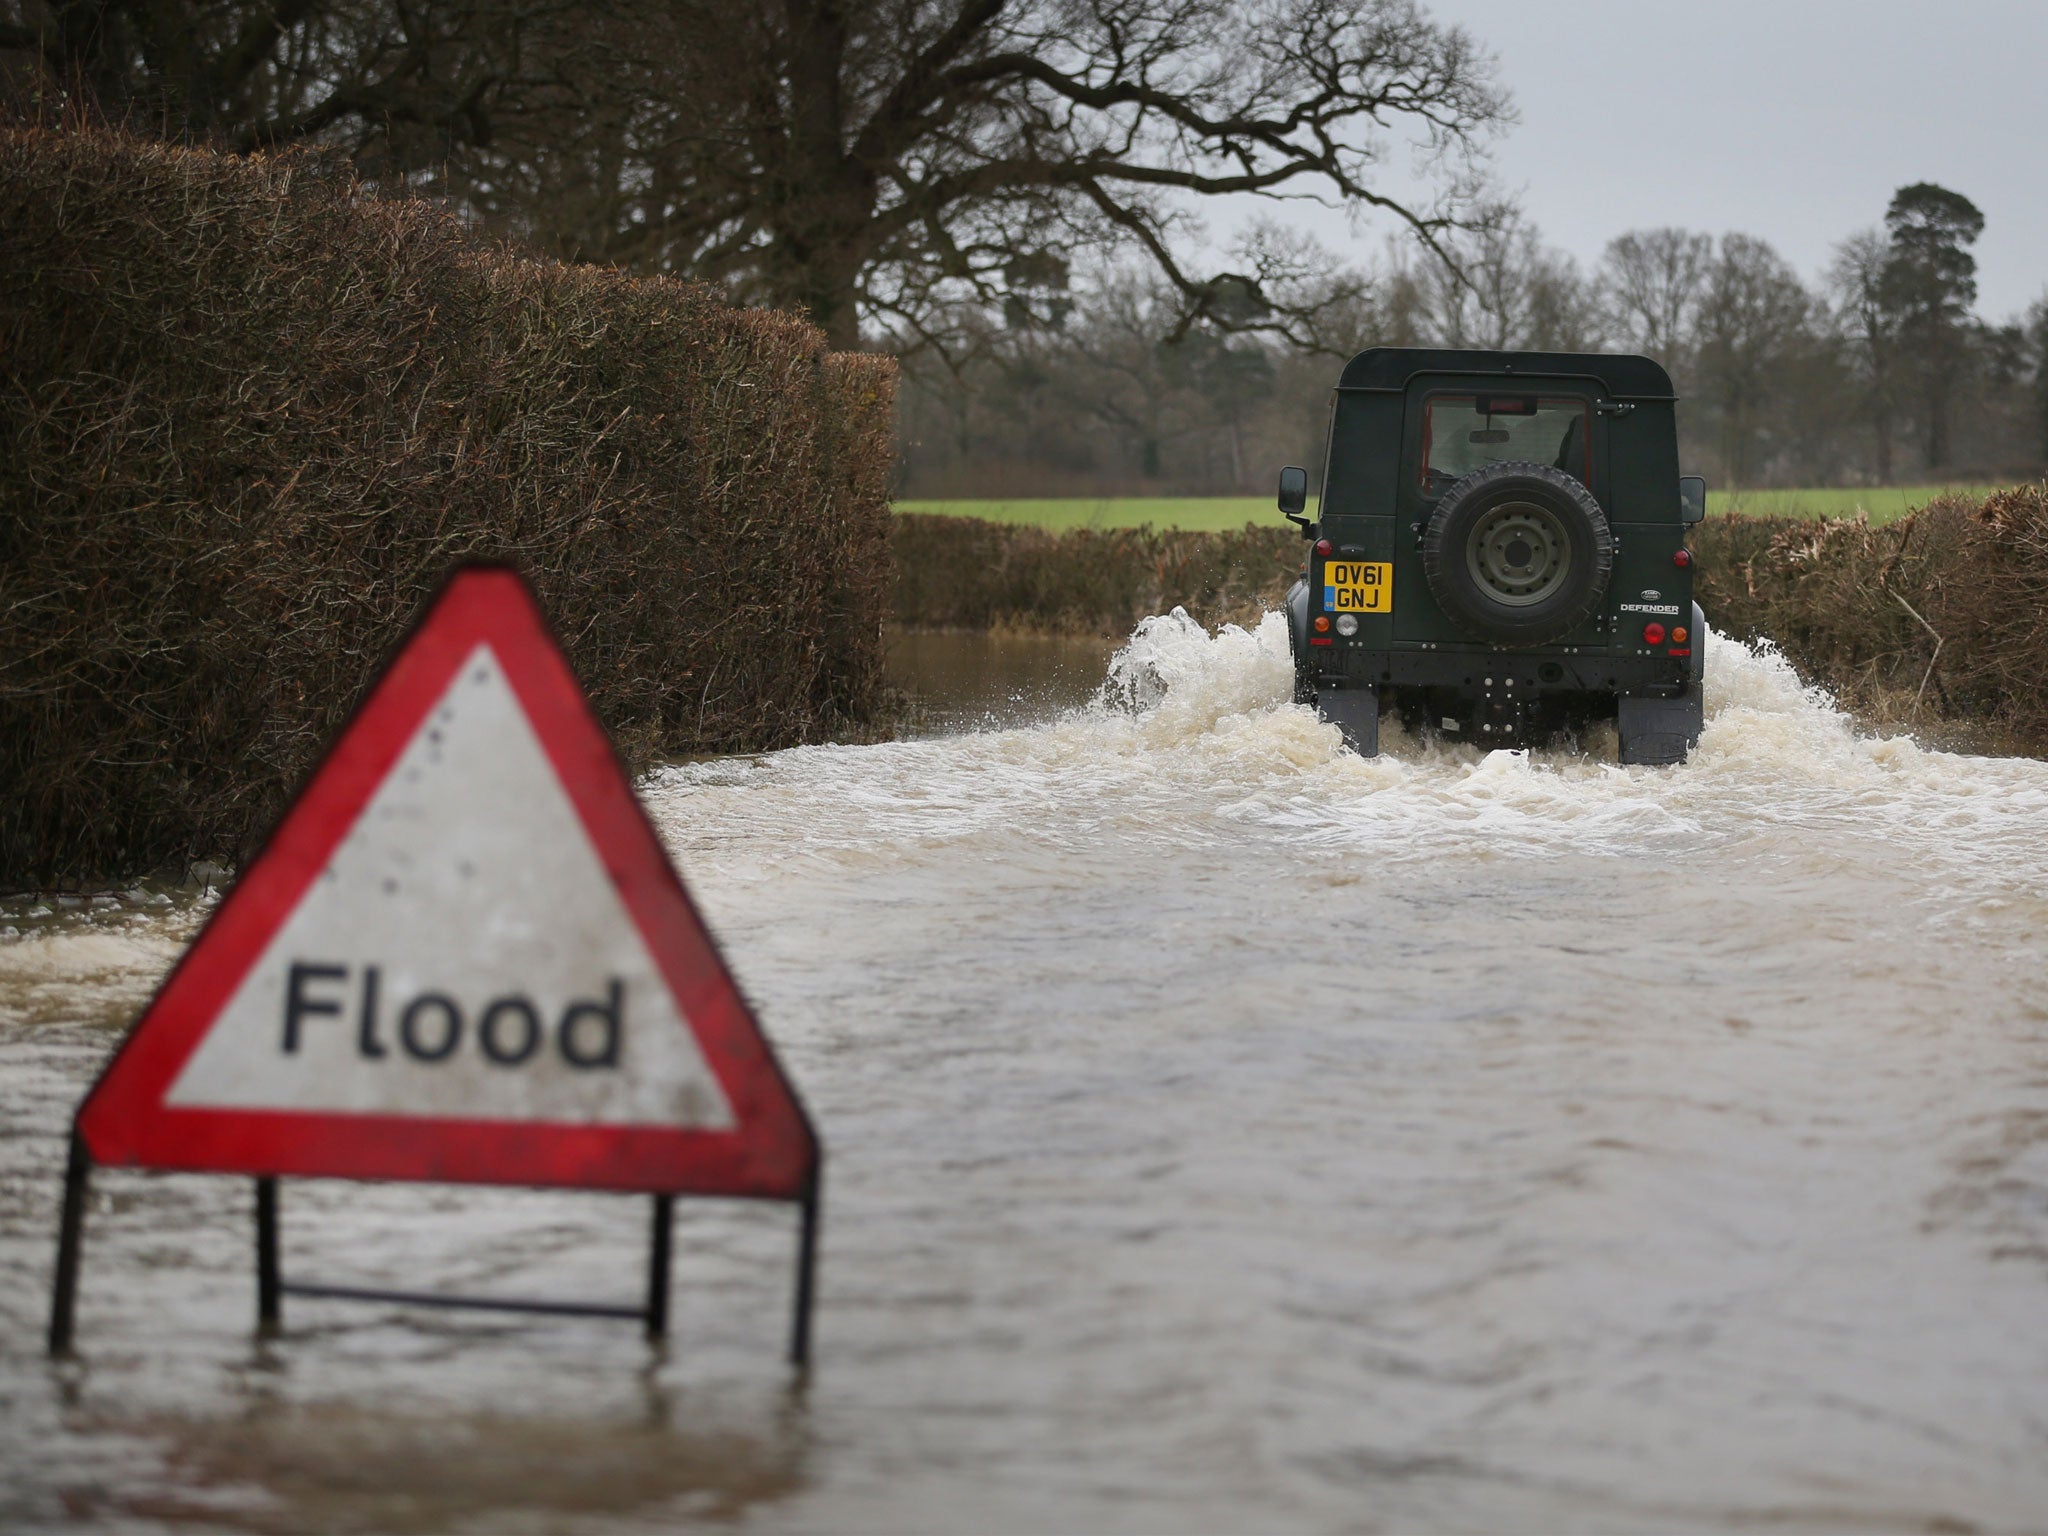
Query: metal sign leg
column 806, row 1275
column 70, row 1237
column 657, row 1267
column 269, row 1282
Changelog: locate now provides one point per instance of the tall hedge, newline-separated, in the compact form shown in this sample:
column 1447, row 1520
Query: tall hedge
column 249, row 417
column 1937, row 622
column 964, row 573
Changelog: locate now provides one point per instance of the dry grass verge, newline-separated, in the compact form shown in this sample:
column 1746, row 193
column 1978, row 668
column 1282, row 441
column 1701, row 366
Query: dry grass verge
column 1938, row 621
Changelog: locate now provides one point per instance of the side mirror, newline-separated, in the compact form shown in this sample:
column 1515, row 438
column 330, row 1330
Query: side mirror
column 1294, row 496
column 1692, row 498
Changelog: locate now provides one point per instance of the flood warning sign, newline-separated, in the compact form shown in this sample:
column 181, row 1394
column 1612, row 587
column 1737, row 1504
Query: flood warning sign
column 463, row 955
column 455, row 961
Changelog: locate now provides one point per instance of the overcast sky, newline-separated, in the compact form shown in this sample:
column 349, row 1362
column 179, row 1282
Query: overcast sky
column 1794, row 120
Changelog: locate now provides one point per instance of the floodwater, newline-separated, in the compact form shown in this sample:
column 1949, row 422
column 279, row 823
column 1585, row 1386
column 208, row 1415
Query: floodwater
column 1225, row 1133
column 960, row 680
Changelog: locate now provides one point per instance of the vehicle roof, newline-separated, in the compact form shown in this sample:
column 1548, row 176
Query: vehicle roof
column 1619, row 374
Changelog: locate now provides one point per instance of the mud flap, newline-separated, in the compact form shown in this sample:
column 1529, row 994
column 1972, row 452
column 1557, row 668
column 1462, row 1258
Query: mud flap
column 1355, row 712
column 1659, row 732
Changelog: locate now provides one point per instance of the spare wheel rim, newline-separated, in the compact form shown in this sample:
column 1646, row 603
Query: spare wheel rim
column 1519, row 553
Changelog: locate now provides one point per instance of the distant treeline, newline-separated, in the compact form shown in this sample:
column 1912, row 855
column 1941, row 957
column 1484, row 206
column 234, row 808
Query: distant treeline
column 1938, row 621
column 250, row 416
column 1880, row 373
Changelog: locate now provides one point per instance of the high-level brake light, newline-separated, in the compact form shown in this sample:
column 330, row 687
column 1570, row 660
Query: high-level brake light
column 1681, row 558
column 1325, row 548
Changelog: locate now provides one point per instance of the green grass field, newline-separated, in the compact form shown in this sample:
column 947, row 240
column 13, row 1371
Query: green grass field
column 1209, row 513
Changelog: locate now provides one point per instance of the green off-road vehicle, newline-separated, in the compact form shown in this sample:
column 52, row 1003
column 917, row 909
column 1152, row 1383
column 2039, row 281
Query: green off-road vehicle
column 1500, row 553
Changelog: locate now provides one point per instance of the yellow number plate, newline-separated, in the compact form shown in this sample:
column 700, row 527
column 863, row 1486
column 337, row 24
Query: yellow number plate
column 1358, row 586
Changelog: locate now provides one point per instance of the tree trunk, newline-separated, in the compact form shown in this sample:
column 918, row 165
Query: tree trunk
column 828, row 200
column 1937, row 424
column 1734, row 441
column 826, row 288
column 2041, row 398
column 1881, row 399
column 835, row 307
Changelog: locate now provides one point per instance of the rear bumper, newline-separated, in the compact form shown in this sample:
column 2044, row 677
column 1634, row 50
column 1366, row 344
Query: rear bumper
column 1530, row 674
column 1475, row 670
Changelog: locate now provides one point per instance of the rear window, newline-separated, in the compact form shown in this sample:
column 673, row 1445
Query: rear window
column 1461, row 433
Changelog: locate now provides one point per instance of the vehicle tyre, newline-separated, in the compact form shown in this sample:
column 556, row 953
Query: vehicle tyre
column 1297, row 642
column 1297, row 620
column 1518, row 553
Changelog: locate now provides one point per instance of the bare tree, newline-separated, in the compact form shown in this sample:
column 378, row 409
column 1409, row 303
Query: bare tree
column 1564, row 309
column 401, row 85
column 1477, row 294
column 2037, row 336
column 1651, row 281
column 1752, row 327
column 1856, row 280
column 1500, row 288
column 840, row 157
column 846, row 158
column 1135, row 380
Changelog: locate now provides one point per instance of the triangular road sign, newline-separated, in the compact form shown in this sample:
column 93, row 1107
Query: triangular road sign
column 462, row 956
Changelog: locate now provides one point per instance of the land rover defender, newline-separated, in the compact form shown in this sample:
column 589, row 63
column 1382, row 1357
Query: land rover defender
column 1499, row 553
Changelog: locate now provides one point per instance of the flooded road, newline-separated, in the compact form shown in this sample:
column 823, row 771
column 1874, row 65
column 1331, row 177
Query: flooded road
column 964, row 680
column 1224, row 1133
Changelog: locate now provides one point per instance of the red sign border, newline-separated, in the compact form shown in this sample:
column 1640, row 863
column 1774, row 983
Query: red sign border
column 771, row 1152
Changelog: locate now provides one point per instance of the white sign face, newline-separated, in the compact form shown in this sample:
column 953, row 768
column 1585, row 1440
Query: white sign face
column 463, row 956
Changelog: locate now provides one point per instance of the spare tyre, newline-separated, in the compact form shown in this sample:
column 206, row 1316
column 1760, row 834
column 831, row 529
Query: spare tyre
column 1518, row 553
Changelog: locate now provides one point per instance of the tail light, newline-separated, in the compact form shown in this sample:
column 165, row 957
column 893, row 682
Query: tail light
column 1653, row 634
column 1325, row 548
column 1681, row 558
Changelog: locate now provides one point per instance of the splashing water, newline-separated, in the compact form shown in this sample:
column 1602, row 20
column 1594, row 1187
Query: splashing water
column 1225, row 1131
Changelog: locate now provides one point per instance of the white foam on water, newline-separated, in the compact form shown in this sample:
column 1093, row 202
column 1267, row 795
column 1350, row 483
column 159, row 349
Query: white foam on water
column 62, row 954
column 1194, row 734
column 88, row 971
